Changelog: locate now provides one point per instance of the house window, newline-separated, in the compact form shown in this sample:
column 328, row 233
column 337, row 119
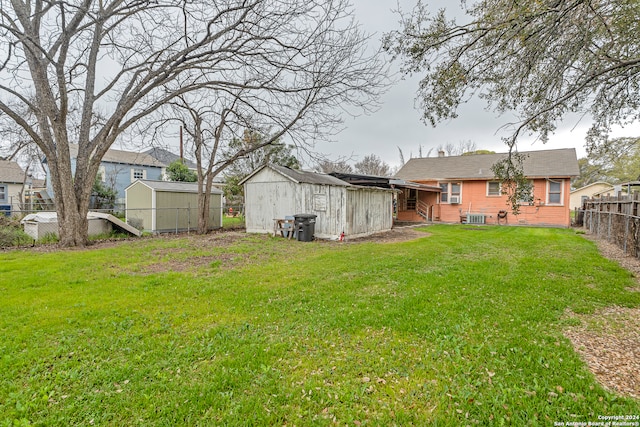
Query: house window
column 444, row 195
column 138, row 174
column 525, row 193
column 3, row 193
column 554, row 196
column 102, row 173
column 451, row 192
column 493, row 188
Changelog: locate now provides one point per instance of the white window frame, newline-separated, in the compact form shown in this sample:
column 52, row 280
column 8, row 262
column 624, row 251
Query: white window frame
column 448, row 186
column 102, row 171
column 560, row 182
column 489, row 194
column 133, row 173
column 444, row 194
column 4, row 190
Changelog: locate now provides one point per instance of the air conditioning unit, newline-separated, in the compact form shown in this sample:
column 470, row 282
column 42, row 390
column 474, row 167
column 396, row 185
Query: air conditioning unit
column 454, row 200
column 475, row 219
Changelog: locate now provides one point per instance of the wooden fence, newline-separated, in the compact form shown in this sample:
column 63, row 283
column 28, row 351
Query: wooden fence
column 614, row 218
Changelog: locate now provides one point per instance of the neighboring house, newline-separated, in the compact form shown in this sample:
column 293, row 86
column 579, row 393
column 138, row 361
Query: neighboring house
column 275, row 192
column 579, row 195
column 12, row 184
column 169, row 206
column 118, row 169
column 471, row 193
column 621, row 189
column 167, row 157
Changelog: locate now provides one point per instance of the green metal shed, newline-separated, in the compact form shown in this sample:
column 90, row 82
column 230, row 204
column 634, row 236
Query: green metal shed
column 168, row 206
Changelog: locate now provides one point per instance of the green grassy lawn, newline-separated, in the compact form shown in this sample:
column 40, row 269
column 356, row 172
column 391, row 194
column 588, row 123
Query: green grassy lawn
column 462, row 327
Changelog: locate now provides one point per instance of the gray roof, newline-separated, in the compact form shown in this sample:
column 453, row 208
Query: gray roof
column 537, row 164
column 173, row 186
column 11, row 172
column 302, row 176
column 310, row 177
column 167, row 157
column 123, row 157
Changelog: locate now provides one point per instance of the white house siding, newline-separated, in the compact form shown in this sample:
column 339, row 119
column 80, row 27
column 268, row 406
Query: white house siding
column 10, row 196
column 587, row 191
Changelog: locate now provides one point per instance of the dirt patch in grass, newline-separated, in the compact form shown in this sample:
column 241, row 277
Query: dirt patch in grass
column 217, row 261
column 609, row 343
column 395, row 235
column 609, row 340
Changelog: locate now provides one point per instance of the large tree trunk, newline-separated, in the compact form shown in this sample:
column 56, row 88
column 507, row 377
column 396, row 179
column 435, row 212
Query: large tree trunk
column 71, row 207
column 72, row 189
column 204, row 204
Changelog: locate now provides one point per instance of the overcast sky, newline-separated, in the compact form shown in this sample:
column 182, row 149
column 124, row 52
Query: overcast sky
column 398, row 124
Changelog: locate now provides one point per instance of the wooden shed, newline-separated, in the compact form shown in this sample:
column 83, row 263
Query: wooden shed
column 168, row 206
column 275, row 192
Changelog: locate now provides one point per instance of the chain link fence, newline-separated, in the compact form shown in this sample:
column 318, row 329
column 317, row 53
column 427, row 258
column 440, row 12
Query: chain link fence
column 153, row 220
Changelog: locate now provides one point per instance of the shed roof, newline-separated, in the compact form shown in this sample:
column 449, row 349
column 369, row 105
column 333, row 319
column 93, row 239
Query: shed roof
column 381, row 182
column 123, row 157
column 299, row 176
column 537, row 164
column 11, row 172
column 172, row 186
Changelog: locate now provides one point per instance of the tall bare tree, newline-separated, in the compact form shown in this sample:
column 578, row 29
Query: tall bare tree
column 325, row 165
column 373, row 165
column 88, row 70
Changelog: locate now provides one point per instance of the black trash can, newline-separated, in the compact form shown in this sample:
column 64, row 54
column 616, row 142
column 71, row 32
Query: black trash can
column 305, row 226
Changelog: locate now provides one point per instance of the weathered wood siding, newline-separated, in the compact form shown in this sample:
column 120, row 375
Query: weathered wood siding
column 268, row 195
column 356, row 212
column 369, row 211
column 328, row 203
column 278, row 197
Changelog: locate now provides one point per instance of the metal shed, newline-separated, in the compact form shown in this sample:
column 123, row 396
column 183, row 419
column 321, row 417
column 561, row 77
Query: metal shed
column 275, row 192
column 168, row 206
